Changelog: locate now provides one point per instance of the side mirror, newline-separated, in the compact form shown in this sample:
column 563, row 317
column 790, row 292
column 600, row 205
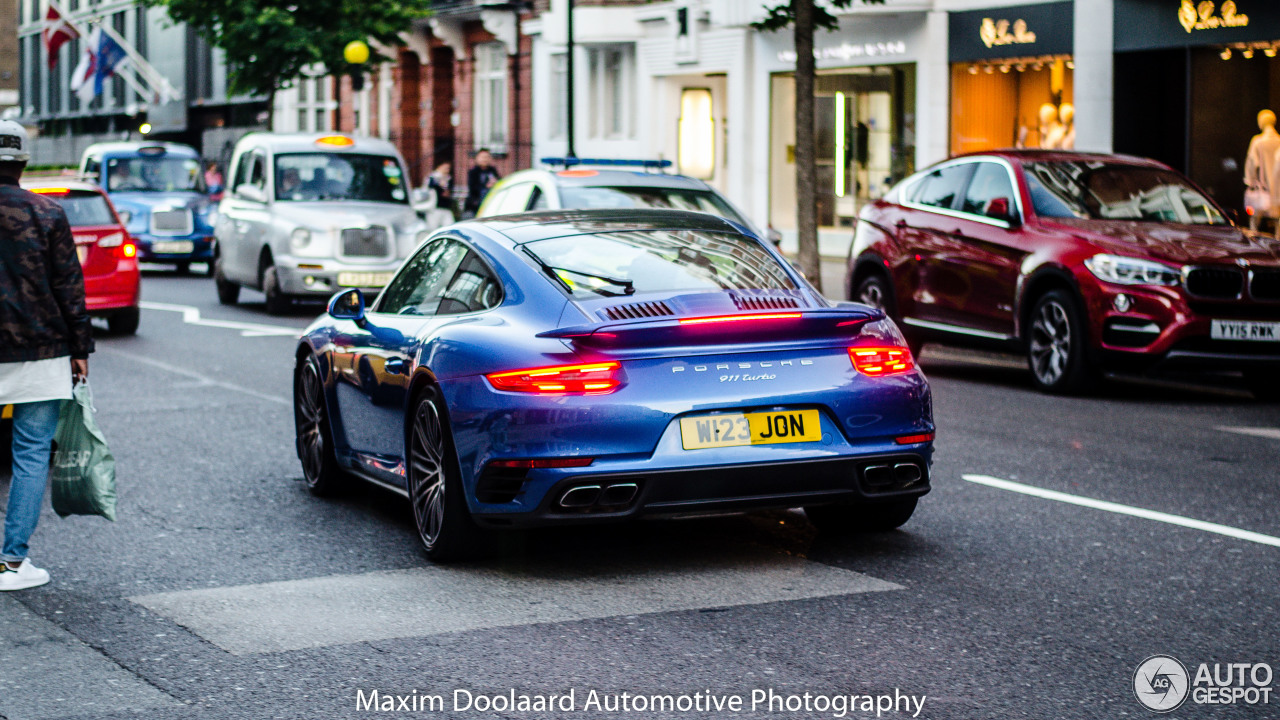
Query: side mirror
column 252, row 193
column 1001, row 209
column 348, row 305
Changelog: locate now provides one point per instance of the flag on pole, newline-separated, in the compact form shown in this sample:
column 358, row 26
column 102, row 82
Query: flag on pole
column 82, row 77
column 57, row 31
column 109, row 55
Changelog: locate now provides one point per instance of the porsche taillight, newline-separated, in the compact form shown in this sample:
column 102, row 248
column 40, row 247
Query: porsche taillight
column 585, row 379
column 881, row 361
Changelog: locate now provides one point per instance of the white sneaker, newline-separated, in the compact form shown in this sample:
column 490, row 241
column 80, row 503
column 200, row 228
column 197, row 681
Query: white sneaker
column 26, row 576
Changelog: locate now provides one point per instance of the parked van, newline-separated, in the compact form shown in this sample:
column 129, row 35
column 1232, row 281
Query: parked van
column 306, row 215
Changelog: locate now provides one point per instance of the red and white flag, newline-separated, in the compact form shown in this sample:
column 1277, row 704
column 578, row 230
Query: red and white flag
column 82, row 77
column 57, row 31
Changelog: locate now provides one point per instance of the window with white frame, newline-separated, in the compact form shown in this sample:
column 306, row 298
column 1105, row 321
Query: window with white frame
column 490, row 99
column 314, row 103
column 611, row 72
column 559, row 96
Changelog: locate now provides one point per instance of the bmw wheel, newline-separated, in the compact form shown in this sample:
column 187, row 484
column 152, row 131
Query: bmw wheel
column 440, row 514
column 320, row 467
column 876, row 291
column 1056, row 348
column 872, row 516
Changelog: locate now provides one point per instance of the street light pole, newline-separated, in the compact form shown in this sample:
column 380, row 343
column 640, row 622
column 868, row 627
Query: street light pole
column 569, row 111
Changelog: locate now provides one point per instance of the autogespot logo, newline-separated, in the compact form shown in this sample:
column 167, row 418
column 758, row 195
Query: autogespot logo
column 1161, row 683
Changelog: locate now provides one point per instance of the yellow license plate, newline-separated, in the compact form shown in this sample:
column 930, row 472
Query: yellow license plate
column 363, row 279
column 758, row 428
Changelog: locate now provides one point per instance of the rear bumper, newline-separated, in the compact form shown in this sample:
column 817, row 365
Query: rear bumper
column 676, row 492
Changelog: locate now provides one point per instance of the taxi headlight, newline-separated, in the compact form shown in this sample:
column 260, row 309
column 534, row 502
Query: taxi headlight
column 300, row 238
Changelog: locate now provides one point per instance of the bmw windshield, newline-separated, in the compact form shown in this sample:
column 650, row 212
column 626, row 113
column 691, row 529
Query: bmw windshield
column 1111, row 191
column 625, row 263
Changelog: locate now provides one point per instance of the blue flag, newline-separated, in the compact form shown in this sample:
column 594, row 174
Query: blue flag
column 110, row 55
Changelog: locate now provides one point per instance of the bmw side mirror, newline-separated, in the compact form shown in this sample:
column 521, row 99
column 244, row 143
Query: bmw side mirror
column 1001, row 209
column 348, row 305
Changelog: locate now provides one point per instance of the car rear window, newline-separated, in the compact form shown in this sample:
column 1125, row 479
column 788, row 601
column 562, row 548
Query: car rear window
column 658, row 261
column 85, row 208
column 647, row 197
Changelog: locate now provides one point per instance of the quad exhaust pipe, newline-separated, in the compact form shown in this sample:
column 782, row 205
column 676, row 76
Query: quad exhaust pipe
column 587, row 496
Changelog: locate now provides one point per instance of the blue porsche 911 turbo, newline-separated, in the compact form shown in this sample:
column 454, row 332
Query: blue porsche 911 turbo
column 580, row 366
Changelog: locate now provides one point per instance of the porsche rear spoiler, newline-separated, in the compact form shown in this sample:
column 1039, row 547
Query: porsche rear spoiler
column 754, row 327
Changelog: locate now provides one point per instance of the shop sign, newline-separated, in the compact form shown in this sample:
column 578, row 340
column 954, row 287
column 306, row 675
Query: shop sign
column 1010, row 32
column 1157, row 24
column 996, row 32
column 1202, row 17
column 850, row 51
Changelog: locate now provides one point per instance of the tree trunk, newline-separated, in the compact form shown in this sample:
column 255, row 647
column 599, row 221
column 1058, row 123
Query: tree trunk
column 806, row 164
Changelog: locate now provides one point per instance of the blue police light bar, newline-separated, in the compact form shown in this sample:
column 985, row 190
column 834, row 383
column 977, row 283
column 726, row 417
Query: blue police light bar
column 605, row 162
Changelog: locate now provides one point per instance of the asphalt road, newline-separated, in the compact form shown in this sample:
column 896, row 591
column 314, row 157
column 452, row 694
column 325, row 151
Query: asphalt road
column 224, row 590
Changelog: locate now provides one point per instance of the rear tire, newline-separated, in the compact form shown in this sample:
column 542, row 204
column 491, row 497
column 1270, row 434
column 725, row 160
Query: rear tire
column 1057, row 351
column 320, row 468
column 277, row 302
column 228, row 292
column 440, row 513
column 125, row 322
column 870, row 516
column 1264, row 384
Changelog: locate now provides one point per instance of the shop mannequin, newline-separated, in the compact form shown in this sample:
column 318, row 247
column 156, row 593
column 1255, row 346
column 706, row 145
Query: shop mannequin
column 1068, row 115
column 1260, row 167
column 1051, row 131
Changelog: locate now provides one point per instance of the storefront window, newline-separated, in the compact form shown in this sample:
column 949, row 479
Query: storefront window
column 864, row 138
column 1013, row 103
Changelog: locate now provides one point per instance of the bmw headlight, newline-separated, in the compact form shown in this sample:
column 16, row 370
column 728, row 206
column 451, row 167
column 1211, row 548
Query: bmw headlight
column 1131, row 271
column 300, row 238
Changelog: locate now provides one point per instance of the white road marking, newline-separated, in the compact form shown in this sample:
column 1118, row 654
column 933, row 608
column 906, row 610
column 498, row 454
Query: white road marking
column 200, row 380
column 1125, row 510
column 1262, row 432
column 191, row 316
column 52, row 674
column 318, row 612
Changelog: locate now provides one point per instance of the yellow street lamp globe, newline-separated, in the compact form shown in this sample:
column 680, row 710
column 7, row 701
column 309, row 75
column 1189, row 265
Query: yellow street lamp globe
column 356, row 52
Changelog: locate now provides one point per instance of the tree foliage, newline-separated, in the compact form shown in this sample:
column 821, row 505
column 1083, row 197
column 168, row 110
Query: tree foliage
column 269, row 42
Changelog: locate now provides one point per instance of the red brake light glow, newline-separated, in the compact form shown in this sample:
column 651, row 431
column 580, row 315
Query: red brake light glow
column 881, row 361
column 738, row 318
column 587, row 379
column 128, row 250
column 51, row 191
column 913, row 439
column 571, row 462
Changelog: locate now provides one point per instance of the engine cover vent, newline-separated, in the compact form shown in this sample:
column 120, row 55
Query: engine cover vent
column 637, row 310
column 764, row 302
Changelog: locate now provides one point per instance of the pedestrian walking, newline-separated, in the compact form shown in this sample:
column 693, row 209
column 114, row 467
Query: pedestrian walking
column 45, row 341
column 441, row 181
column 480, row 178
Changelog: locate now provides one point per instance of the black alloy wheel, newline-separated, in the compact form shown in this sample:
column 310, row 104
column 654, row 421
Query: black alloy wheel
column 440, row 513
column 320, row 467
column 862, row 517
column 228, row 292
column 1056, row 345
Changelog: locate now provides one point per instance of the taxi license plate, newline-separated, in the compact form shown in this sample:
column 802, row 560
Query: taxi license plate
column 363, row 279
column 1245, row 330
column 173, row 247
column 758, row 428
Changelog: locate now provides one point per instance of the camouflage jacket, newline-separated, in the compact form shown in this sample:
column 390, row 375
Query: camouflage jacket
column 42, row 310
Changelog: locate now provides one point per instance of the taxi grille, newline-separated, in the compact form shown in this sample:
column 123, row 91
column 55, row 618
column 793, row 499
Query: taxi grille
column 171, row 222
column 366, row 242
column 1215, row 282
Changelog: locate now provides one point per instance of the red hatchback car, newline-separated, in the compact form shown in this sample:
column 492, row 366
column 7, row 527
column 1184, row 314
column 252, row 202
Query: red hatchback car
column 108, row 255
column 1084, row 262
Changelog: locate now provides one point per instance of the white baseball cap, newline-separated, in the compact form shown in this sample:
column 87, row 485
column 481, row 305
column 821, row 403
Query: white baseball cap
column 15, row 146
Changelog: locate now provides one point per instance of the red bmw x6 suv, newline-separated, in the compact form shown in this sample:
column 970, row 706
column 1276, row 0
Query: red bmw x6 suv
column 1084, row 262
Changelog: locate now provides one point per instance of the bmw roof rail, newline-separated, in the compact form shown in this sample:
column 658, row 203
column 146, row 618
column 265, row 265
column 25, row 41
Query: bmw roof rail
column 567, row 162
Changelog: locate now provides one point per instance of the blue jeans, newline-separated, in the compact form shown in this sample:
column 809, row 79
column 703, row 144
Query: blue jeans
column 33, row 427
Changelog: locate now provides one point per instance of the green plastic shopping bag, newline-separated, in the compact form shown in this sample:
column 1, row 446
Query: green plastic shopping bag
column 84, row 470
